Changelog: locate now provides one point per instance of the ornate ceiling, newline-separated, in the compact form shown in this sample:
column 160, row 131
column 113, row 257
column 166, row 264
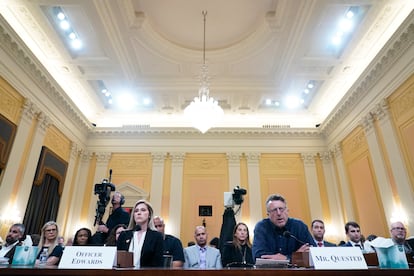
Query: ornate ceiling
column 256, row 50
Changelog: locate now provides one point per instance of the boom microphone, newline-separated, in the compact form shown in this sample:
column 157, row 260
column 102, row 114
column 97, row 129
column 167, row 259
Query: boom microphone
column 288, row 235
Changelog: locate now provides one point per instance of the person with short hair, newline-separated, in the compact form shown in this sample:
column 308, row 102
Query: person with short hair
column 398, row 235
column 172, row 245
column 201, row 255
column 318, row 233
column 14, row 237
column 355, row 238
column 278, row 236
column 118, row 216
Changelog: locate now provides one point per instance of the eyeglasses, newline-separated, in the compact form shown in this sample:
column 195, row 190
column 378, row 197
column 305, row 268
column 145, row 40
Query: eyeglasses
column 50, row 230
column 355, row 230
column 158, row 226
column 278, row 210
column 398, row 228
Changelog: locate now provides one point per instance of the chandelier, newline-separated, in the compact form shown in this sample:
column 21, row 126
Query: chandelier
column 204, row 112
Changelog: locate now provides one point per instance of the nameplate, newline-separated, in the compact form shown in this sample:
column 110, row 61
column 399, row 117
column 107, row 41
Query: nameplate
column 337, row 258
column 88, row 257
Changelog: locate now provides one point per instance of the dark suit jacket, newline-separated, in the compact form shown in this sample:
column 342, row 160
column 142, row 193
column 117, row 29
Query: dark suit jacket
column 328, row 244
column 151, row 253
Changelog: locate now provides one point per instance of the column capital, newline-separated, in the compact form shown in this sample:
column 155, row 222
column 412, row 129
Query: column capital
column 158, row 157
column 337, row 150
column 253, row 157
column 44, row 121
column 381, row 110
column 86, row 156
column 367, row 122
column 325, row 156
column 30, row 110
column 308, row 158
column 177, row 157
column 103, row 157
column 234, row 157
column 75, row 150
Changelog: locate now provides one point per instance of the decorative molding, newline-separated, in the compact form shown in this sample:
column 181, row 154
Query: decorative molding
column 75, row 150
column 253, row 157
column 30, row 110
column 337, row 150
column 242, row 133
column 44, row 121
column 325, row 157
column 158, row 157
column 234, row 157
column 86, row 156
column 381, row 110
column 17, row 50
column 367, row 123
column 177, row 157
column 394, row 49
column 103, row 157
column 308, row 158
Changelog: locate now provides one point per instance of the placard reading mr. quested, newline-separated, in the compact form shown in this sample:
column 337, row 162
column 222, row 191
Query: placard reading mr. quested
column 337, row 258
column 88, row 257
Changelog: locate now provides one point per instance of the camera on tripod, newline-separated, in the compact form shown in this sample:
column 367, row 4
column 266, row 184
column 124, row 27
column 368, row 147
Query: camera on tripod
column 103, row 190
column 235, row 197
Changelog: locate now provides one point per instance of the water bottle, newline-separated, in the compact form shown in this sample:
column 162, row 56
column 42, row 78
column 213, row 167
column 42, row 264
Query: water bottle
column 43, row 256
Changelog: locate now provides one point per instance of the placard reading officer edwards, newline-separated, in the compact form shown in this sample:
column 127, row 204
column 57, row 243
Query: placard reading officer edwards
column 337, row 258
column 88, row 257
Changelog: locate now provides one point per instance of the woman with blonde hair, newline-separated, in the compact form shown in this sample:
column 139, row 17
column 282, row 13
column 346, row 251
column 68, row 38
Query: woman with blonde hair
column 141, row 238
column 49, row 242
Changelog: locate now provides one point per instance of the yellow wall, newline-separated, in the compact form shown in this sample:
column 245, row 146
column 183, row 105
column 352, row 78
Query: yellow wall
column 284, row 174
column 363, row 184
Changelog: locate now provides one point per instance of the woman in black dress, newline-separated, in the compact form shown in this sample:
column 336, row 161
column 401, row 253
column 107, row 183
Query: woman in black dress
column 238, row 253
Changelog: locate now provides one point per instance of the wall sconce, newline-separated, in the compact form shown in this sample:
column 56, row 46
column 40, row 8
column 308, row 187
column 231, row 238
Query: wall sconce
column 10, row 216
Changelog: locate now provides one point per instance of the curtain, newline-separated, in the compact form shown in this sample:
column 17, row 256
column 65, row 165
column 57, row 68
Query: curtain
column 43, row 204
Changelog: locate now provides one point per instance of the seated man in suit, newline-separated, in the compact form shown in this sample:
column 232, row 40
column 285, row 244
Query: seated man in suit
column 353, row 232
column 201, row 255
column 14, row 237
column 318, row 232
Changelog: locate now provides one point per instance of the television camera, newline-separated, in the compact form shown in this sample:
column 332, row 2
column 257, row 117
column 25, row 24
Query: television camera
column 103, row 190
column 235, row 197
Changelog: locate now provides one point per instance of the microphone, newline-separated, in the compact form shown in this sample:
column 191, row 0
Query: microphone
column 288, row 235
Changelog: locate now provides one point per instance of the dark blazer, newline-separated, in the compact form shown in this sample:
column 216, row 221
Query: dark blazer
column 151, row 253
column 328, row 244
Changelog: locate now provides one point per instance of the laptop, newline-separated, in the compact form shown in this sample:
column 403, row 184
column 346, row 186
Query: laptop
column 25, row 256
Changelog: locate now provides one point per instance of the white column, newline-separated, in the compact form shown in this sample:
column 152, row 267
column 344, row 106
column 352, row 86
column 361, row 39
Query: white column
column 79, row 191
column 397, row 163
column 33, row 158
column 176, row 191
column 101, row 172
column 70, row 192
column 343, row 184
column 158, row 160
column 16, row 156
column 314, row 194
column 335, row 229
column 234, row 175
column 380, row 167
column 254, row 191
column 234, row 169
